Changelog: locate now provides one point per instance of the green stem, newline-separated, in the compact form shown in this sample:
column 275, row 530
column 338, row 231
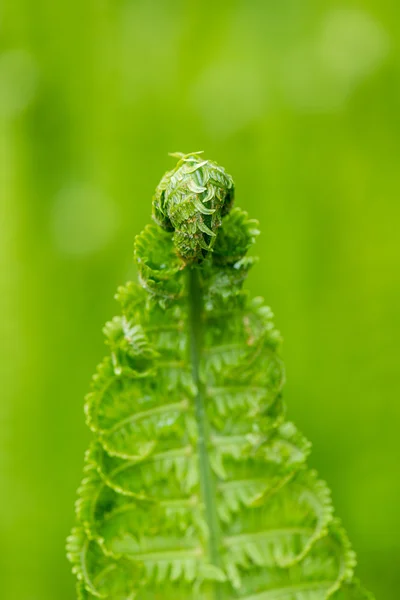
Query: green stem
column 206, row 475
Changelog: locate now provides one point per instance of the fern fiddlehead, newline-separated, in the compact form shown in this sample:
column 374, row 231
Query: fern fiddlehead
column 196, row 486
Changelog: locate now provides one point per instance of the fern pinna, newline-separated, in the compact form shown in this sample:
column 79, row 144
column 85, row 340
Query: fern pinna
column 196, row 486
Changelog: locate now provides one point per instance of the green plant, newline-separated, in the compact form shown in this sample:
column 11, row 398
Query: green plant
column 196, row 487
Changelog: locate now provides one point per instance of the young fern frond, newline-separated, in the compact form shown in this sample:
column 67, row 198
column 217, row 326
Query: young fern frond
column 196, row 486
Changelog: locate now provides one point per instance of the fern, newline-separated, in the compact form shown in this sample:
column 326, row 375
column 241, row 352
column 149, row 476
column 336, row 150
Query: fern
column 196, row 486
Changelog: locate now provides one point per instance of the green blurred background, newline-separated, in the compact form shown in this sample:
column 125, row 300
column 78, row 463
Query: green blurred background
column 299, row 100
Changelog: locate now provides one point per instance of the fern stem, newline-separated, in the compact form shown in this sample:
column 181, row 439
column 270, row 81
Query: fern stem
column 206, row 475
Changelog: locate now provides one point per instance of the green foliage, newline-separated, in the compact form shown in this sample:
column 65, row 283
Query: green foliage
column 196, row 486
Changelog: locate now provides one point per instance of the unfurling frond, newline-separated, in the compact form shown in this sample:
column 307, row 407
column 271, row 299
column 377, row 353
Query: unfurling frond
column 195, row 485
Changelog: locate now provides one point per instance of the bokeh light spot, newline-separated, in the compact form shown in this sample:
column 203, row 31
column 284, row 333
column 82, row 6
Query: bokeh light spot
column 320, row 74
column 83, row 220
column 18, row 82
column 352, row 44
column 228, row 96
